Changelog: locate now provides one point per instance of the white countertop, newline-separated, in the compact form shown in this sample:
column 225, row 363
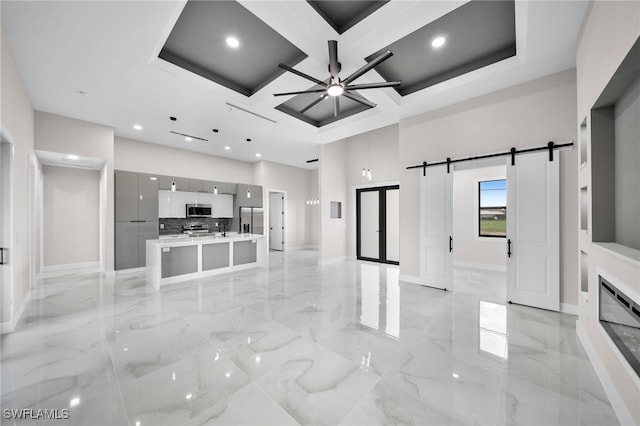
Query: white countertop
column 184, row 239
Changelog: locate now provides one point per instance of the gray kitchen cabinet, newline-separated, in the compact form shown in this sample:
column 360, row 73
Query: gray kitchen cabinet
column 146, row 231
column 179, row 260
column 243, row 199
column 126, row 194
column 196, row 185
column 136, row 217
column 245, row 252
column 215, row 256
column 147, row 198
column 164, row 182
column 127, row 251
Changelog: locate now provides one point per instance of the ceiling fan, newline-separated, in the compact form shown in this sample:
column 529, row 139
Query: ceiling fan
column 337, row 87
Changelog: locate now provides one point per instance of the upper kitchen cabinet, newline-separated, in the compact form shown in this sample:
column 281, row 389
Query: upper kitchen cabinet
column 249, row 195
column 147, row 197
column 164, row 203
column 222, row 205
column 164, row 182
column 136, row 197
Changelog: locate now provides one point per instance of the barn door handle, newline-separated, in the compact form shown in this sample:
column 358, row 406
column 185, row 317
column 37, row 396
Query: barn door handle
column 508, row 248
column 3, row 260
column 450, row 244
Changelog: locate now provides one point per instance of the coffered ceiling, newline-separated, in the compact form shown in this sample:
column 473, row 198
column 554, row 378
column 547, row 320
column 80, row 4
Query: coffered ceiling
column 129, row 62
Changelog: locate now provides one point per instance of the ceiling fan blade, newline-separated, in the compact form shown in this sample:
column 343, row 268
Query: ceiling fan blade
column 358, row 98
column 301, row 74
column 300, row 93
column 314, row 103
column 374, row 63
column 336, row 106
column 334, row 67
column 374, row 85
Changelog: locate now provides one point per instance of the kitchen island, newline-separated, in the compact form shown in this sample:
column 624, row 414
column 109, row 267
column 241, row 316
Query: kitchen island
column 180, row 258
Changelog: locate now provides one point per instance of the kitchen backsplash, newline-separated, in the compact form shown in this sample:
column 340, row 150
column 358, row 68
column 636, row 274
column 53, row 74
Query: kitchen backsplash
column 175, row 226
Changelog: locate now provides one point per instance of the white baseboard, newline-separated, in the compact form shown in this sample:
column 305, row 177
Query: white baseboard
column 623, row 414
column 410, row 279
column 332, row 260
column 485, row 266
column 303, row 248
column 52, row 270
column 9, row 326
column 569, row 308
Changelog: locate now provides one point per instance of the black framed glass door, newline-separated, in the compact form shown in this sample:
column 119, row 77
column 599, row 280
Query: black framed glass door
column 378, row 224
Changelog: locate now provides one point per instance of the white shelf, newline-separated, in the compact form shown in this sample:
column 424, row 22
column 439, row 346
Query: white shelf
column 625, row 253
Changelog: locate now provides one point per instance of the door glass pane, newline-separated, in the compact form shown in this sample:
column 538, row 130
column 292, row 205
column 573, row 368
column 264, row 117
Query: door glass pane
column 369, row 223
column 393, row 225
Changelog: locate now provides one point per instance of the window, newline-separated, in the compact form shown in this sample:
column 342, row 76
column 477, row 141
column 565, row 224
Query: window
column 492, row 214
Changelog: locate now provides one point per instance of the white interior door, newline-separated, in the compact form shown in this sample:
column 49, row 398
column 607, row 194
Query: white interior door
column 276, row 221
column 533, row 265
column 6, row 295
column 370, row 224
column 437, row 227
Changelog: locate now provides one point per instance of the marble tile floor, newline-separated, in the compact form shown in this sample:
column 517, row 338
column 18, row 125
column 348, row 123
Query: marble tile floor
column 296, row 343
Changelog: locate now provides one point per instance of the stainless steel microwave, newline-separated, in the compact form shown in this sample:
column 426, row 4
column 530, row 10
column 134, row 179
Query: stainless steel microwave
column 198, row 210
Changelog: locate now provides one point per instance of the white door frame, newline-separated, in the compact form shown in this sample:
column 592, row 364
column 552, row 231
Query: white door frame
column 267, row 210
column 7, row 308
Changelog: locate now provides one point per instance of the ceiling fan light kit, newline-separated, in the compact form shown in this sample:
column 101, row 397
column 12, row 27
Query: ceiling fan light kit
column 337, row 87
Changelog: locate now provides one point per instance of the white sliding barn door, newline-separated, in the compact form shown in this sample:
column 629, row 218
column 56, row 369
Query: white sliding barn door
column 533, row 266
column 437, row 227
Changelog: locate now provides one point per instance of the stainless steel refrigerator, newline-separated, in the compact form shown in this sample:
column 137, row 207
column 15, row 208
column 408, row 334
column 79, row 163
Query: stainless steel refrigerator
column 252, row 220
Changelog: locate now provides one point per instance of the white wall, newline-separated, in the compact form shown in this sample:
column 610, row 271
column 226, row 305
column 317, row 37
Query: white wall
column 71, row 213
column 66, row 135
column 143, row 157
column 468, row 247
column 332, row 176
column 610, row 29
column 295, row 181
column 340, row 172
column 17, row 119
column 523, row 116
column 313, row 211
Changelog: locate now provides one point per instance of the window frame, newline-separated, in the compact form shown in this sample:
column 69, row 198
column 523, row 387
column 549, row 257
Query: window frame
column 478, row 210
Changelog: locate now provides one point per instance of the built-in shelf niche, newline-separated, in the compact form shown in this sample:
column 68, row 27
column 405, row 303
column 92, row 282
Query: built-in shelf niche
column 584, row 209
column 584, row 142
column 584, row 272
column 614, row 152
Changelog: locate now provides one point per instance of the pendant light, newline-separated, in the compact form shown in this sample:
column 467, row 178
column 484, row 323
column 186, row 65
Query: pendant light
column 215, row 190
column 173, row 186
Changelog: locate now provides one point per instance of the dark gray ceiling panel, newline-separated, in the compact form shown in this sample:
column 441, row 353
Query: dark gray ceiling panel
column 344, row 14
column 322, row 113
column 197, row 43
column 478, row 33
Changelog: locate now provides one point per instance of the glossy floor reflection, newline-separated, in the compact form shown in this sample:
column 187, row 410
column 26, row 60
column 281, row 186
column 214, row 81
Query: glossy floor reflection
column 296, row 343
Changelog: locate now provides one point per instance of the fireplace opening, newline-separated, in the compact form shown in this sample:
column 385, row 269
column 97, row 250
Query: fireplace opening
column 620, row 317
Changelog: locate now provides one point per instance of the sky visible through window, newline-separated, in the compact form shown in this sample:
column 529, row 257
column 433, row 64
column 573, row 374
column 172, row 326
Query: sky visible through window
column 493, row 193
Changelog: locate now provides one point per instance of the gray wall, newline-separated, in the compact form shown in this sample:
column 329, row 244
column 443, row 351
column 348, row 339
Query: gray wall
column 627, row 169
column 71, row 216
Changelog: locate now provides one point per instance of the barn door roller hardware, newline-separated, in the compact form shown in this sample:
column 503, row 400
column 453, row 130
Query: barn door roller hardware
column 551, row 146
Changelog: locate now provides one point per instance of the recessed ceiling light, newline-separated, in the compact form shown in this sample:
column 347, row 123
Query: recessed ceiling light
column 227, row 148
column 137, row 127
column 72, row 157
column 233, row 42
column 188, row 139
column 215, row 130
column 248, row 139
column 438, row 41
column 153, row 178
column 258, row 154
